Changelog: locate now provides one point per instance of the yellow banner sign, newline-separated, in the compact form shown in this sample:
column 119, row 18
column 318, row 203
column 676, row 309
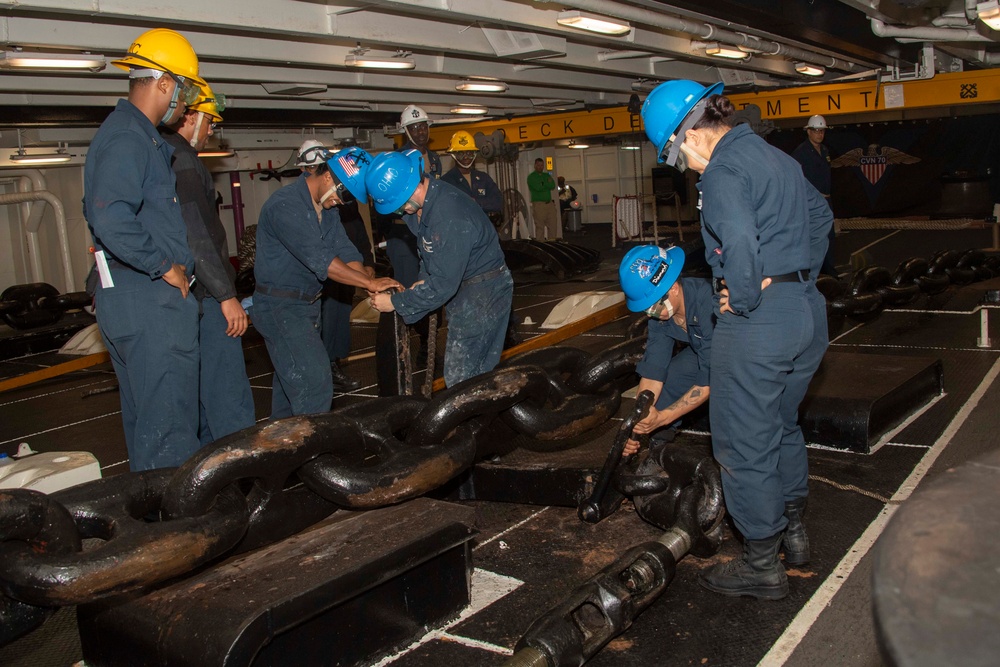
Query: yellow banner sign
column 958, row 88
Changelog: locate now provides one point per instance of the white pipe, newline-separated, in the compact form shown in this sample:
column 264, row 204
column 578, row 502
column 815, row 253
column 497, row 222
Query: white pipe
column 928, row 34
column 31, row 216
column 704, row 31
column 60, row 213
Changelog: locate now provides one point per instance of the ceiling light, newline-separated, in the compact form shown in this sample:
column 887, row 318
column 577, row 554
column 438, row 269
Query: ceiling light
column 469, row 109
column 989, row 13
column 723, row 51
column 574, row 144
column 481, row 86
column 358, row 58
column 217, row 152
column 809, row 70
column 22, row 59
column 593, row 23
column 21, row 157
column 629, row 147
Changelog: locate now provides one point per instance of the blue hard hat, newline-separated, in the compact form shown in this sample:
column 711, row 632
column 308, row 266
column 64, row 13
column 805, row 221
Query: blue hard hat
column 666, row 107
column 647, row 272
column 350, row 165
column 392, row 178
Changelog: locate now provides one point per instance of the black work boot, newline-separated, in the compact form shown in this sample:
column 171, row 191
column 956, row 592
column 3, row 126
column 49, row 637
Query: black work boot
column 796, row 541
column 758, row 573
column 342, row 382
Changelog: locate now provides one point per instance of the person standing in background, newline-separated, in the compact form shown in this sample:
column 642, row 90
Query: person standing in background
column 543, row 211
column 224, row 396
column 815, row 160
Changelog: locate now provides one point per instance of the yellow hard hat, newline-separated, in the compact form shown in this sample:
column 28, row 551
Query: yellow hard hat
column 462, row 141
column 164, row 50
column 209, row 103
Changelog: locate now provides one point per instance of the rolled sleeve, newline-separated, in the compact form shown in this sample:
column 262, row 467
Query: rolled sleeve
column 659, row 352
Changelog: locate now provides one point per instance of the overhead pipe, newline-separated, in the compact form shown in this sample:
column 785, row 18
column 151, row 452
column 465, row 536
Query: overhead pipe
column 60, row 213
column 976, row 55
column 928, row 34
column 706, row 31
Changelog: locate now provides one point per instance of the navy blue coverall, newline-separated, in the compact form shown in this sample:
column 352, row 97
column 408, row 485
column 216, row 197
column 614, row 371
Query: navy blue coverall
column 224, row 396
column 483, row 190
column 690, row 367
column 294, row 251
column 762, row 218
column 462, row 266
column 150, row 330
column 338, row 299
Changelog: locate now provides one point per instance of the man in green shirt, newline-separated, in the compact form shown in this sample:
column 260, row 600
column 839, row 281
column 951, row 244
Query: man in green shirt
column 543, row 211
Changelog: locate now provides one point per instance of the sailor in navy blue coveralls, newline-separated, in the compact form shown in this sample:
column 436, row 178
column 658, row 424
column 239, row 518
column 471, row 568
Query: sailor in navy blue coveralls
column 762, row 219
column 483, row 189
column 148, row 326
column 463, row 269
column 225, row 400
column 685, row 375
column 295, row 253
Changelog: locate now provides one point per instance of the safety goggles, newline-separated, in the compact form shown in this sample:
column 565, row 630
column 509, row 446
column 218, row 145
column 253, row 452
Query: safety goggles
column 343, row 194
column 219, row 100
column 661, row 310
column 401, row 211
column 311, row 157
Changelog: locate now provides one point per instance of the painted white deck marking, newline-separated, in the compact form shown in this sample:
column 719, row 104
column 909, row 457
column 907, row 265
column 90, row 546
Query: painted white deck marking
column 504, row 532
column 820, row 600
column 56, row 428
column 487, row 588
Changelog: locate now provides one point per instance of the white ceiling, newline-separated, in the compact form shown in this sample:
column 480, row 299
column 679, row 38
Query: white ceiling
column 250, row 47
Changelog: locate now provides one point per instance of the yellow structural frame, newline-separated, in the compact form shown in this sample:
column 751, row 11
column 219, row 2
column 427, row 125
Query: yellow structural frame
column 944, row 90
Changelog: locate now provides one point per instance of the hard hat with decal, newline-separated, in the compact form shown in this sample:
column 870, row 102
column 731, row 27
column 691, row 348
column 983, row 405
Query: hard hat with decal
column 817, row 122
column 462, row 141
column 350, row 166
column 413, row 114
column 392, row 178
column 311, row 153
column 667, row 107
column 647, row 273
column 164, row 50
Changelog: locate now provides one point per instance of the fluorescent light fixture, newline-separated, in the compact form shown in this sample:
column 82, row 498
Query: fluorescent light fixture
column 469, row 110
column 400, row 60
column 21, row 157
column 989, row 13
column 629, row 147
column 723, row 51
column 574, row 144
column 593, row 23
column 28, row 60
column 218, row 152
column 809, row 70
column 481, row 86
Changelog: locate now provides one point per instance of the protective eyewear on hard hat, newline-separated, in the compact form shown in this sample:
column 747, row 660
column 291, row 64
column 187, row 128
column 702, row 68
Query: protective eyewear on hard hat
column 315, row 155
column 188, row 92
column 219, row 100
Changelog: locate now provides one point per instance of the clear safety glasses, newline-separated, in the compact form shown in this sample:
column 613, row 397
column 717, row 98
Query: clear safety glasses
column 661, row 310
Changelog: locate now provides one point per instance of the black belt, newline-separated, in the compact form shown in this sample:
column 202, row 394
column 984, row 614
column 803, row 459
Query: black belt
column 492, row 273
column 288, row 294
column 801, row 276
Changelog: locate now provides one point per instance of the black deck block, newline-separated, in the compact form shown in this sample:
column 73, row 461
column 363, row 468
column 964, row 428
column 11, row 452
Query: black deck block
column 346, row 592
column 560, row 478
column 856, row 398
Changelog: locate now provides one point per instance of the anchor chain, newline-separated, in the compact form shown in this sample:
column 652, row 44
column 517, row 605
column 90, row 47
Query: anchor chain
column 260, row 485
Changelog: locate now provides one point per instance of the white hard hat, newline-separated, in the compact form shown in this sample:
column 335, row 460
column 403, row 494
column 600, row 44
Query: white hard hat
column 314, row 158
column 413, row 114
column 816, row 123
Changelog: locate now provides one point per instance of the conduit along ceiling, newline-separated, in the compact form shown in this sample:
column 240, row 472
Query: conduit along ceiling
column 307, row 63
